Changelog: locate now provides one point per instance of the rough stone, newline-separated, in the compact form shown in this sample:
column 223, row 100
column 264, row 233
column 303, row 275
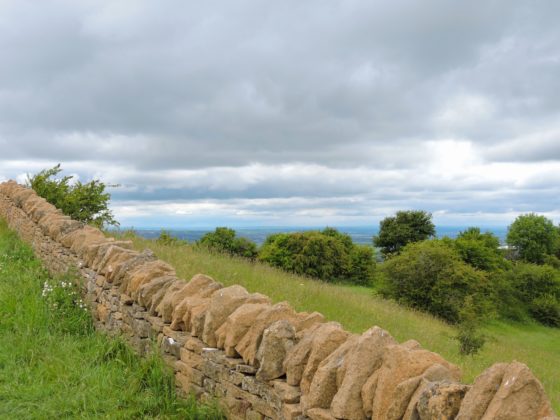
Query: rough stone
column 171, row 300
column 144, row 274
column 249, row 344
column 182, row 313
column 519, row 395
column 237, row 325
column 277, row 340
column 400, row 363
column 441, row 400
column 478, row 398
column 324, row 386
column 360, row 363
column 147, row 291
column 222, row 304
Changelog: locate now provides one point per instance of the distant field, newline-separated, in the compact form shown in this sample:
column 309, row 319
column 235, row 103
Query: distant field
column 357, row 309
column 54, row 365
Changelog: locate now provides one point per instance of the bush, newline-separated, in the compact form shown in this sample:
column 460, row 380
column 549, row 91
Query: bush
column 430, row 276
column 534, row 237
column 327, row 255
column 404, row 228
column 471, row 340
column 546, row 310
column 224, row 240
column 532, row 280
column 481, row 250
column 88, row 203
column 165, row 238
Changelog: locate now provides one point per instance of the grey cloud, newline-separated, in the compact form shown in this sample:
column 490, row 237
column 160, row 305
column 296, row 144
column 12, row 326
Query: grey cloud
column 137, row 92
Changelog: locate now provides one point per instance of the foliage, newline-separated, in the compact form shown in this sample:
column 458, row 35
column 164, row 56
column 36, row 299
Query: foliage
column 534, row 237
column 471, row 340
column 405, row 227
column 48, row 346
column 532, row 280
column 546, row 310
column 481, row 250
column 224, row 240
column 88, row 203
column 429, row 275
column 328, row 255
column 165, row 238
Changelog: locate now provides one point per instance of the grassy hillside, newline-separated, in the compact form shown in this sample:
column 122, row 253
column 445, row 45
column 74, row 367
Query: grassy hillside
column 358, row 309
column 54, row 365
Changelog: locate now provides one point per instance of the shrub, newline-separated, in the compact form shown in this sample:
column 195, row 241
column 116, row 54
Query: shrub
column 165, row 238
column 88, row 203
column 481, row 250
column 224, row 240
column 534, row 237
column 404, row 228
column 430, row 276
column 328, row 255
column 546, row 310
column 532, row 280
column 471, row 340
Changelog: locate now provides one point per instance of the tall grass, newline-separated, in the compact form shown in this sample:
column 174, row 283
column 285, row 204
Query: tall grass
column 358, row 308
column 54, row 365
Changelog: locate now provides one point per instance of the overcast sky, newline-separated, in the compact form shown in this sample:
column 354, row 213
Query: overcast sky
column 292, row 112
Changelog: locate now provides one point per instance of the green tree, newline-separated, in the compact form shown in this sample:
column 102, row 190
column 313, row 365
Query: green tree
column 431, row 276
column 405, row 227
column 88, row 203
column 534, row 237
column 481, row 250
column 224, row 240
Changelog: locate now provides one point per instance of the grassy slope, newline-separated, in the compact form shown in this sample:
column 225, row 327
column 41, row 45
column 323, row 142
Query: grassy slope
column 55, row 365
column 358, row 309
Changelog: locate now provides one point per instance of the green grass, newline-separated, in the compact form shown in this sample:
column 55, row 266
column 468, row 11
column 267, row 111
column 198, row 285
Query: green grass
column 54, row 365
column 357, row 309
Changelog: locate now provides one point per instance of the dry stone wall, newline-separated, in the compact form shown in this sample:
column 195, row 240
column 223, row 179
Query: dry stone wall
column 261, row 360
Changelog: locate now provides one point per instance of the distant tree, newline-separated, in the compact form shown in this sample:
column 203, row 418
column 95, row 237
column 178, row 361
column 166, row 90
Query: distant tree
column 481, row 250
column 224, row 240
column 404, row 228
column 534, row 237
column 88, row 203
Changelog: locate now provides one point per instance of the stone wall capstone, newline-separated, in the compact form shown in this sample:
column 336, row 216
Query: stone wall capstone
column 261, row 360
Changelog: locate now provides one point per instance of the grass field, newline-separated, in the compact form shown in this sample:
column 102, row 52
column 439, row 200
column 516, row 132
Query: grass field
column 357, row 309
column 54, row 365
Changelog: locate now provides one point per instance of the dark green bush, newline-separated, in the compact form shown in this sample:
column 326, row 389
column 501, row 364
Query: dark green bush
column 431, row 276
column 224, row 240
column 532, row 280
column 328, row 255
column 88, row 203
column 481, row 250
column 546, row 310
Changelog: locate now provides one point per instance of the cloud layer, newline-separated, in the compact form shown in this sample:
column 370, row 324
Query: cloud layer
column 291, row 112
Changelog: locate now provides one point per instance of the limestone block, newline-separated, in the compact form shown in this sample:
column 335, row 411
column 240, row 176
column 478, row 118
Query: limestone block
column 248, row 345
column 171, row 300
column 237, row 325
column 400, row 363
column 324, row 386
column 277, row 340
column 360, row 363
column 518, row 395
